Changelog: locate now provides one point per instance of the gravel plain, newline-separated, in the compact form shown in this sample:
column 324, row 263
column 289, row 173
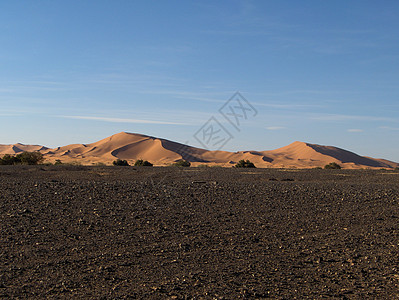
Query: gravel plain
column 198, row 233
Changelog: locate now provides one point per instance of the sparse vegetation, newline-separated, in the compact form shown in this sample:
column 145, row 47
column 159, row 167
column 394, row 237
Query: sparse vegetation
column 209, row 166
column 24, row 158
column 120, row 162
column 332, row 165
column 8, row 160
column 244, row 164
column 57, row 162
column 143, row 163
column 203, row 166
column 318, row 168
column 30, row 158
column 182, row 163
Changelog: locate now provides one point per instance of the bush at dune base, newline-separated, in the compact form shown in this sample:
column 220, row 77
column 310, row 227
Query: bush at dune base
column 24, row 158
column 120, row 162
column 332, row 165
column 144, row 163
column 244, row 164
column 182, row 163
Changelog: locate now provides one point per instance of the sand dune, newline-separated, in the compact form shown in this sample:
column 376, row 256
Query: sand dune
column 122, row 145
column 303, row 155
column 18, row 148
column 131, row 146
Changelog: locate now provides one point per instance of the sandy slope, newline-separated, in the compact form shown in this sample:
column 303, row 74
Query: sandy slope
column 302, row 155
column 122, row 145
column 17, row 148
column 132, row 146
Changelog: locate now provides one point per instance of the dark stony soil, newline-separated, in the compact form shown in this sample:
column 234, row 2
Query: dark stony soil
column 198, row 233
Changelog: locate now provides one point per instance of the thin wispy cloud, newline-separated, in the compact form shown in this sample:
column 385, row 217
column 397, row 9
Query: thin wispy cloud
column 301, row 92
column 288, row 106
column 31, row 85
column 275, row 127
column 169, row 48
column 186, row 95
column 6, row 90
column 389, row 128
column 10, row 114
column 355, row 130
column 338, row 117
column 234, row 32
column 122, row 120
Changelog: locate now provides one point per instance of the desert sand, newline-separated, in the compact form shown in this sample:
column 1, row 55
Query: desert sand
column 18, row 148
column 162, row 152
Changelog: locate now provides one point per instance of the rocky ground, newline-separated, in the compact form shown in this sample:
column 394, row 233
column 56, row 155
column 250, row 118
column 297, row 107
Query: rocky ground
column 198, row 233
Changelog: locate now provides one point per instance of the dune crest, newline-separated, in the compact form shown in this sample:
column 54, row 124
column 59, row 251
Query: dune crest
column 18, row 148
column 161, row 152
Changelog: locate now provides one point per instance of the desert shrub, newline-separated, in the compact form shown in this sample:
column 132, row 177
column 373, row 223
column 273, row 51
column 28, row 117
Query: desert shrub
column 74, row 163
column 58, row 162
column 120, row 162
column 26, row 158
column 332, row 165
column 9, row 160
column 317, row 168
column 30, row 158
column 182, row 163
column 203, row 166
column 244, row 164
column 209, row 166
column 144, row 163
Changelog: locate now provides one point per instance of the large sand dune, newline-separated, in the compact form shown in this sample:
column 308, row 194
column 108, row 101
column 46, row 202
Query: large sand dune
column 131, row 146
column 18, row 148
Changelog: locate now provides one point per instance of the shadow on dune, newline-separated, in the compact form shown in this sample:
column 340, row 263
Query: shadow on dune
column 347, row 156
column 187, row 152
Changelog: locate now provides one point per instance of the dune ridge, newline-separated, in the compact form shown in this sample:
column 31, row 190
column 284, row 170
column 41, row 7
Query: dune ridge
column 18, row 148
column 161, row 152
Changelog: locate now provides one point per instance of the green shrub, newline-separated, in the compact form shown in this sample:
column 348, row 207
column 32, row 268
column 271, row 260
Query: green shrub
column 182, row 163
column 244, row 164
column 203, row 166
column 144, row 163
column 120, row 162
column 332, row 165
column 30, row 158
column 26, row 158
column 9, row 160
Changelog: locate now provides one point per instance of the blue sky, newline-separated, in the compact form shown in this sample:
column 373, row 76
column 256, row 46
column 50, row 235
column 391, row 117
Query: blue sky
column 323, row 72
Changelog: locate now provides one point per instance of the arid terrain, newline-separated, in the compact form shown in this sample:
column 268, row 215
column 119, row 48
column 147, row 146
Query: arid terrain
column 162, row 152
column 198, row 233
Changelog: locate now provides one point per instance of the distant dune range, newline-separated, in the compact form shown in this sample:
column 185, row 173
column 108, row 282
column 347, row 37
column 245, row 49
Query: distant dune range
column 18, row 148
column 161, row 152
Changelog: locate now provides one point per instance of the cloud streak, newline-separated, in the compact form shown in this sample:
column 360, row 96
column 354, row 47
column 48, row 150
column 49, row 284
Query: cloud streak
column 186, row 95
column 122, row 120
column 355, row 130
column 338, row 117
column 275, row 128
column 389, row 128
